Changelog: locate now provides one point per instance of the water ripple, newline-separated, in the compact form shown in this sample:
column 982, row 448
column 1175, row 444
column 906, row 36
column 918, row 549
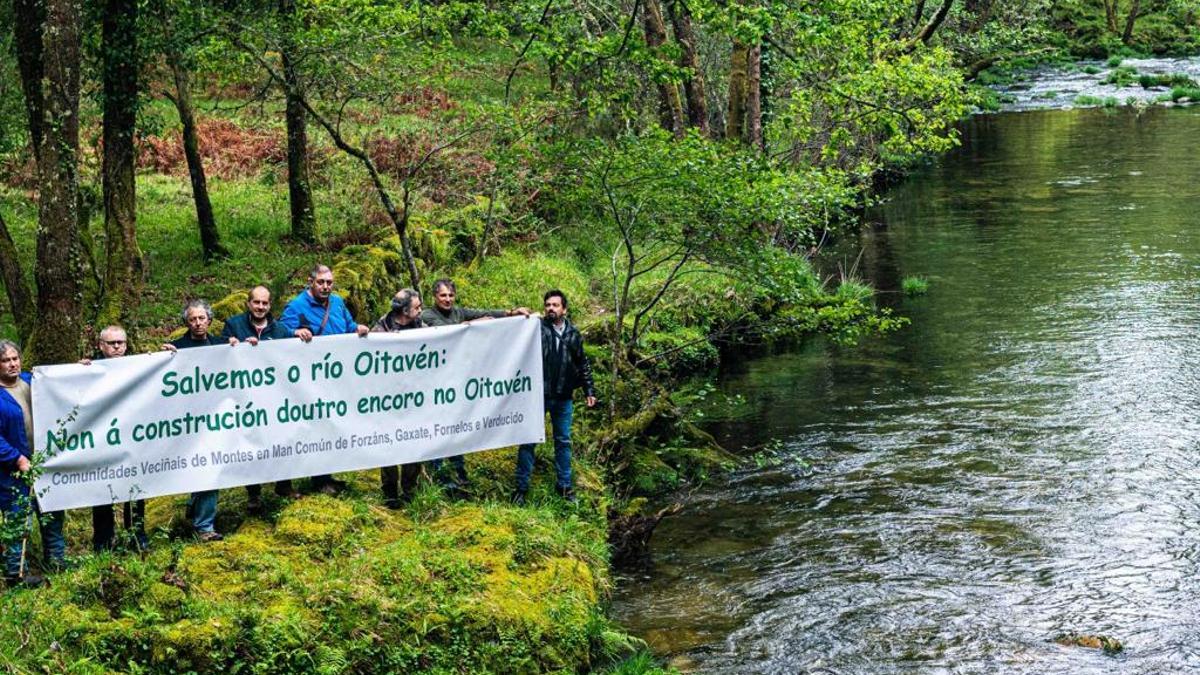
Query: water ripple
column 1017, row 464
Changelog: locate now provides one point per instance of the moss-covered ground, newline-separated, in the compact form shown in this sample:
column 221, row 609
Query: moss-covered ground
column 336, row 584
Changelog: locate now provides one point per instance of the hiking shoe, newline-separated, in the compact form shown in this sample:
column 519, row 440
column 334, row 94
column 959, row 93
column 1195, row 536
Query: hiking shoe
column 206, row 537
column 567, row 494
column 518, row 497
column 27, row 581
column 254, row 506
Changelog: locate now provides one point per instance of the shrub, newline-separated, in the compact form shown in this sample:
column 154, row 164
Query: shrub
column 1189, row 93
column 1166, row 80
column 1122, row 76
column 913, row 286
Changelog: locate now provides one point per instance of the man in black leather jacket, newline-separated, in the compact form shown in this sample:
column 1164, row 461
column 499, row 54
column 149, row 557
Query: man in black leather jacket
column 565, row 368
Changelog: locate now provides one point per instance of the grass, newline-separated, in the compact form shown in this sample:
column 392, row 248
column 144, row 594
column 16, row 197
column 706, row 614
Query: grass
column 1114, row 61
column 1189, row 93
column 1092, row 70
column 1122, row 76
column 1166, row 80
column 1088, row 100
column 913, row 286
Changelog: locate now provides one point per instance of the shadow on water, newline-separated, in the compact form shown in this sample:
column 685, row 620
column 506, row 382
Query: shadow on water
column 1016, row 464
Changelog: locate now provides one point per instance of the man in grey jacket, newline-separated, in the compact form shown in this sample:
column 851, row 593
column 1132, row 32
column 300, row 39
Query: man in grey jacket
column 445, row 313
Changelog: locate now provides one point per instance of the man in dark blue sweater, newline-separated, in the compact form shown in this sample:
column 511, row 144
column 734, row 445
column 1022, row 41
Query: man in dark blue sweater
column 253, row 326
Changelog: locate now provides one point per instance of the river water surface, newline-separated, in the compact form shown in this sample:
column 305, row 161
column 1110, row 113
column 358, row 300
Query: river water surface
column 1020, row 462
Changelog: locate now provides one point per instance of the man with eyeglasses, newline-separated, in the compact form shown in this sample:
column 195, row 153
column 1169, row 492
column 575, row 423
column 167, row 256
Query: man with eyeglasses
column 113, row 343
column 314, row 312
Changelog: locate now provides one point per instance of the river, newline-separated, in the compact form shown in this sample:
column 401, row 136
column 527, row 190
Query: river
column 1018, row 463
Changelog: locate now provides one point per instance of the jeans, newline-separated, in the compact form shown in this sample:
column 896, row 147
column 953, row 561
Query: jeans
column 460, row 471
column 54, row 545
column 202, row 507
column 561, row 410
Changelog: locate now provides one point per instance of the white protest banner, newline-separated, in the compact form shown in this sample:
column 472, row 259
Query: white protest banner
column 221, row 416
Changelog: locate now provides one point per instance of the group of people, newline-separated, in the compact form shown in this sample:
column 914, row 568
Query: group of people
column 315, row 312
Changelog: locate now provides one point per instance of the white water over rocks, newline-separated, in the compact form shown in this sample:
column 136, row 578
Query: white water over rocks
column 1052, row 87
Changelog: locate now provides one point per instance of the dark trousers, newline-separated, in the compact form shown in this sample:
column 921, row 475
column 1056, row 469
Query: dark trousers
column 405, row 476
column 133, row 516
column 458, row 479
column 283, row 488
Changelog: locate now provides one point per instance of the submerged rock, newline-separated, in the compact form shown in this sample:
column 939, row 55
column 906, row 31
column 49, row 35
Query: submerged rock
column 1110, row 645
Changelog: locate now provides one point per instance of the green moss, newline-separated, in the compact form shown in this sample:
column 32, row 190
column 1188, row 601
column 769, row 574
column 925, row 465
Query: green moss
column 520, row 277
column 333, row 585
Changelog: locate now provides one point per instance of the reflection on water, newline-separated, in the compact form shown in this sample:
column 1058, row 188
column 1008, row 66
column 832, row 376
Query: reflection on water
column 1018, row 463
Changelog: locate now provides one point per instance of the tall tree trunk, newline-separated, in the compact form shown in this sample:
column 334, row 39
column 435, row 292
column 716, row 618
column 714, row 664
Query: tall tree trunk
column 123, row 273
column 57, row 332
column 28, row 18
column 20, row 302
column 1110, row 15
column 210, row 239
column 304, row 217
column 399, row 217
column 754, row 131
column 1134, row 10
column 735, row 118
column 918, row 14
column 670, row 104
column 693, row 86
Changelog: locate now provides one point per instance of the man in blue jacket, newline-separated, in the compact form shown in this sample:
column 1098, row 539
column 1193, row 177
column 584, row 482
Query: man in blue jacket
column 16, row 447
column 315, row 312
column 252, row 327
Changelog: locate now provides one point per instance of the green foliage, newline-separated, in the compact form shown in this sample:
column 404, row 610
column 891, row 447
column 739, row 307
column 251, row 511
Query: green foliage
column 518, row 278
column 13, row 134
column 1114, row 61
column 642, row 663
column 1088, row 100
column 1166, row 80
column 1185, row 93
column 914, row 286
column 1122, row 76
